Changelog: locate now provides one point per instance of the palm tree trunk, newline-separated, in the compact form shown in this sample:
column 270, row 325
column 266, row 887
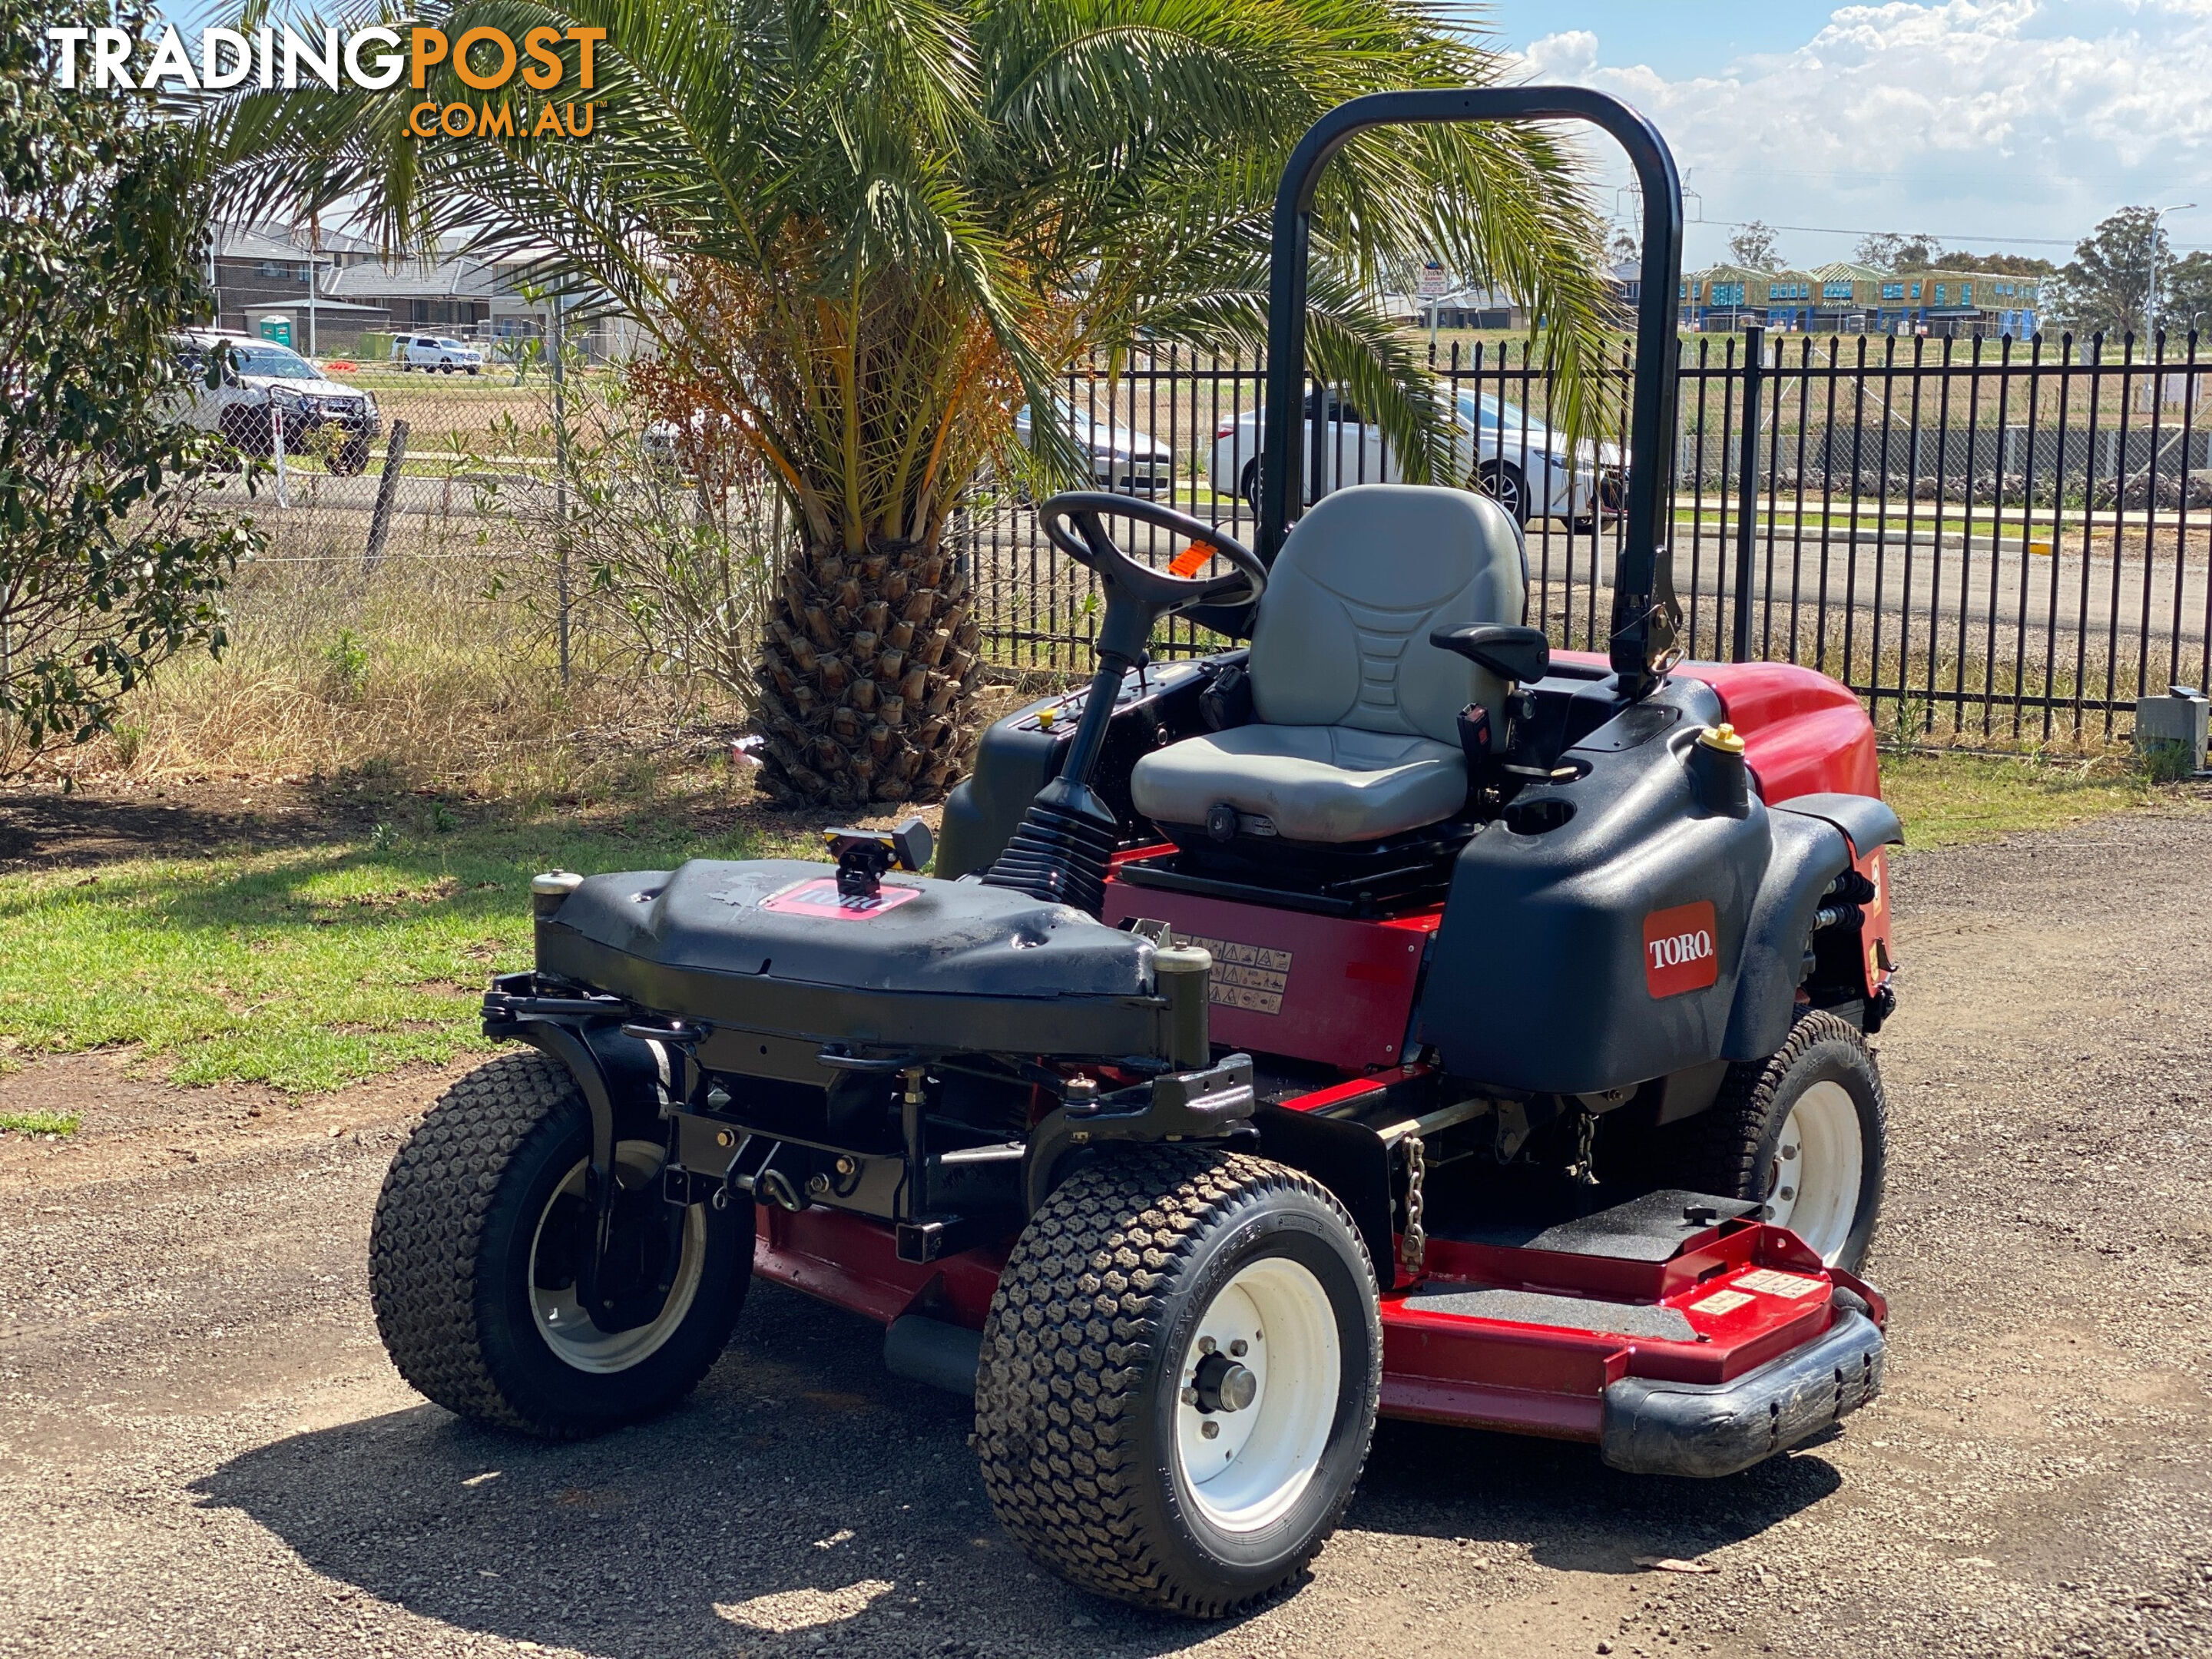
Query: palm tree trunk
column 866, row 666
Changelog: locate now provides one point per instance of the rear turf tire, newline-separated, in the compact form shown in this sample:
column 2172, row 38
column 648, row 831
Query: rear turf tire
column 1089, row 1413
column 1803, row 1133
column 468, row 1263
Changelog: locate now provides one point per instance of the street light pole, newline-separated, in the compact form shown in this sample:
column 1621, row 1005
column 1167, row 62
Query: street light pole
column 2150, row 299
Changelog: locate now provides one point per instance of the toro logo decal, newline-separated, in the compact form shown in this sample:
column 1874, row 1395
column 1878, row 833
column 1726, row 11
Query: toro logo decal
column 1679, row 950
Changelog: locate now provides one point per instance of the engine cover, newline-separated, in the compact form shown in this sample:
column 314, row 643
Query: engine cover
column 932, row 965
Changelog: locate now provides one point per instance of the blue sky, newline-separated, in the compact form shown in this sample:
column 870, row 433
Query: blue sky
column 1988, row 123
column 1676, row 38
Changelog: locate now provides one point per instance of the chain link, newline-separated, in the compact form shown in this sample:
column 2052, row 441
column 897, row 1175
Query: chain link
column 1583, row 1171
column 1413, row 1244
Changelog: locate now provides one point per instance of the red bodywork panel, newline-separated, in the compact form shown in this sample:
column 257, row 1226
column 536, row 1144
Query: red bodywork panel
column 1803, row 734
column 1324, row 988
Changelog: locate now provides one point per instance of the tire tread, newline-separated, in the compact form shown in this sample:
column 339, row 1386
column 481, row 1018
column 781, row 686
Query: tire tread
column 1723, row 1141
column 428, row 1247
column 1080, row 1309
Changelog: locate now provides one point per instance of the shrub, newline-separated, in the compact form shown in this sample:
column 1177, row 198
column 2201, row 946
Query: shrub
column 108, row 564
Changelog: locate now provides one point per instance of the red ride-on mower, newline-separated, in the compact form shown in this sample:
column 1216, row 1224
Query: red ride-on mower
column 1394, row 1016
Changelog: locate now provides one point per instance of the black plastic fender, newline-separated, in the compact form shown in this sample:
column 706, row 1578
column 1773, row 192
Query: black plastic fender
column 1809, row 854
column 1541, row 979
column 1870, row 821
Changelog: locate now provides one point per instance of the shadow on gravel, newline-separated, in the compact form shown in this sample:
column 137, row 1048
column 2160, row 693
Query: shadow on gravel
column 803, row 1502
column 1572, row 1512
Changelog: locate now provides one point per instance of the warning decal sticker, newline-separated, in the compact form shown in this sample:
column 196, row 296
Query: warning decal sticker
column 1769, row 1282
column 1249, row 976
column 1680, row 953
column 821, row 898
column 1722, row 1301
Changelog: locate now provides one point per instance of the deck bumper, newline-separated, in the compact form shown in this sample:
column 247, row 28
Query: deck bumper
column 1707, row 1429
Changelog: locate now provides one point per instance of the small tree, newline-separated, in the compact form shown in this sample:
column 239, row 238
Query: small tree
column 1755, row 247
column 107, row 564
column 2187, row 306
column 1888, row 250
column 864, row 236
column 2105, row 287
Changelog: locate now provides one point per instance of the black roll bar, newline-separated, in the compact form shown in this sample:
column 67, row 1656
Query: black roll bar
column 1646, row 616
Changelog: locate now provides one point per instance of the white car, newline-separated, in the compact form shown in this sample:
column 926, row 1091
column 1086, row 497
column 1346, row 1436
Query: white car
column 259, row 377
column 671, row 451
column 1122, row 458
column 1533, row 471
column 435, row 351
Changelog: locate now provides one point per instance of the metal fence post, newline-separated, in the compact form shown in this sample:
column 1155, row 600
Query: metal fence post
column 561, row 477
column 1746, row 485
column 387, row 487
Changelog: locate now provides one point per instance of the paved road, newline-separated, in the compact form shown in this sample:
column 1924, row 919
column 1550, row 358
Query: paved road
column 202, row 1451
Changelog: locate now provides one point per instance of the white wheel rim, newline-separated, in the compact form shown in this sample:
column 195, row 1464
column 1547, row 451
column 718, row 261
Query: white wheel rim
column 1812, row 1182
column 1274, row 1320
column 568, row 1329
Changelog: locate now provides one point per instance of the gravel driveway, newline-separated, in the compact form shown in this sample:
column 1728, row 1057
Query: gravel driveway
column 202, row 1451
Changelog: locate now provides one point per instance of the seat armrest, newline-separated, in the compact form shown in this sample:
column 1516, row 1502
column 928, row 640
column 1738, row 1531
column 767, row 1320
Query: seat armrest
column 1511, row 653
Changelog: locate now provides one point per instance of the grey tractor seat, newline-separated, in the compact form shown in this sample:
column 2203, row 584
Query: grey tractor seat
column 1356, row 729
column 1328, row 784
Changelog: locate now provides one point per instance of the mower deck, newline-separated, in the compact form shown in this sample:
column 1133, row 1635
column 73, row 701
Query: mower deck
column 1676, row 1333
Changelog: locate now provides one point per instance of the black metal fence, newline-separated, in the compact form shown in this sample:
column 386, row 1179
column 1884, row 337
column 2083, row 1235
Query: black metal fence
column 1987, row 539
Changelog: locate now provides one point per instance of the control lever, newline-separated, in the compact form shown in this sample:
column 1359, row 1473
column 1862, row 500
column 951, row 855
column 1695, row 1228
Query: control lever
column 863, row 855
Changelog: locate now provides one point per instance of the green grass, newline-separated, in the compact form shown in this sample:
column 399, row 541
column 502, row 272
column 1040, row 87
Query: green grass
column 306, row 967
column 40, row 1123
column 310, row 966
column 1952, row 800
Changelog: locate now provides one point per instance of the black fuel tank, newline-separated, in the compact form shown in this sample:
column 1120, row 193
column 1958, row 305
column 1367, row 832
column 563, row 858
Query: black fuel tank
column 1594, row 936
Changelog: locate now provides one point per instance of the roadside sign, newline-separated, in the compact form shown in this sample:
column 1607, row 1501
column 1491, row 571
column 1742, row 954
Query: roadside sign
column 1434, row 283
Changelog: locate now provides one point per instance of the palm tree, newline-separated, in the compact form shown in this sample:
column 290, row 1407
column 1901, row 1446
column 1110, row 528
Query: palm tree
column 867, row 230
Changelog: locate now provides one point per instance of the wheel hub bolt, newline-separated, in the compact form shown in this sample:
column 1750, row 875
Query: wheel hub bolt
column 1222, row 1385
column 1209, row 1428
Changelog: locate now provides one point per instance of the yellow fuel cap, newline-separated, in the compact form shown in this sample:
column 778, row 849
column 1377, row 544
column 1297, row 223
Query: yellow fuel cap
column 1723, row 738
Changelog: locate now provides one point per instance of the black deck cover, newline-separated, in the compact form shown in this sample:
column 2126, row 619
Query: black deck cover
column 760, row 943
column 1652, row 1228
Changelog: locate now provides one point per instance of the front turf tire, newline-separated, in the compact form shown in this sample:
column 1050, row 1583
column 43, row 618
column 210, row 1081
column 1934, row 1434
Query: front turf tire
column 1803, row 1133
column 467, row 1285
column 1127, row 1292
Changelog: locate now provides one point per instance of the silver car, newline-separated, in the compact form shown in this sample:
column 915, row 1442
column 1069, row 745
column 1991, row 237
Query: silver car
column 1122, row 458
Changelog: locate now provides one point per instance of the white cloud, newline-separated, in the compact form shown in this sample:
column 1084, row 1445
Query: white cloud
column 1972, row 119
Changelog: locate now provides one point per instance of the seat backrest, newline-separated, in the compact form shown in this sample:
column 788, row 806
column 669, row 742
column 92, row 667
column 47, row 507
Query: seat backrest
column 1342, row 633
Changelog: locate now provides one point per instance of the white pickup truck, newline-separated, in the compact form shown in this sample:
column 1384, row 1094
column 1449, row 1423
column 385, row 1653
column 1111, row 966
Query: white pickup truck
column 434, row 352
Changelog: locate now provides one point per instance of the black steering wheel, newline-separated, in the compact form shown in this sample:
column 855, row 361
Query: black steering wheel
column 1071, row 519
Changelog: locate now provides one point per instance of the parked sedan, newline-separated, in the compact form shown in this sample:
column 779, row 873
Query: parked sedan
column 1121, row 458
column 1533, row 471
column 261, row 376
